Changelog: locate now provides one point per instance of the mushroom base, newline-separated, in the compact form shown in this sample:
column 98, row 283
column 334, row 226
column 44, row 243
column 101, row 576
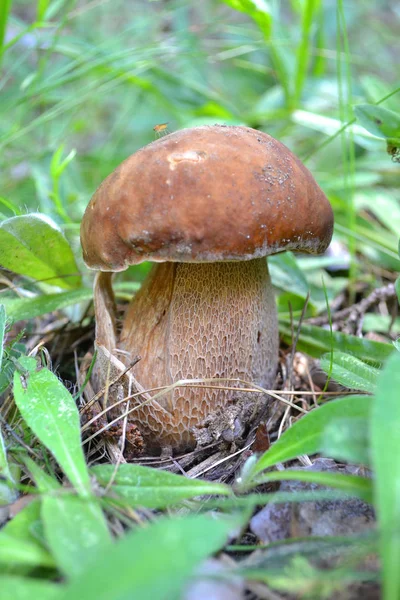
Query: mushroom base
column 200, row 321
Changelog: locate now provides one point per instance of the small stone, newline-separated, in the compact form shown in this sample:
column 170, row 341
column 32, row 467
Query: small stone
column 321, row 518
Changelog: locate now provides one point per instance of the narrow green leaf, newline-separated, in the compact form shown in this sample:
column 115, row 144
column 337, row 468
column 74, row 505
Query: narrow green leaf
column 14, row 350
column 21, row 309
column 309, row 17
column 75, row 531
column 300, row 574
column 306, row 435
column 279, row 554
column 4, row 468
column 258, row 10
column 144, row 486
column 316, row 341
column 379, row 121
column 42, row 6
column 385, row 446
column 44, row 482
column 7, row 491
column 351, row 484
column 33, row 245
column 23, row 588
column 5, row 9
column 350, row 371
column 397, row 286
column 17, row 552
column 154, row 561
column 2, row 331
column 50, row 411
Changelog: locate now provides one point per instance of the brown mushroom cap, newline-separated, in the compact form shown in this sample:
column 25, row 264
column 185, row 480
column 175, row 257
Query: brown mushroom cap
column 205, row 194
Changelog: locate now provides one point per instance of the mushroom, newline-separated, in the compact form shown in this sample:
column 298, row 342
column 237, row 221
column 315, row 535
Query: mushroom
column 206, row 205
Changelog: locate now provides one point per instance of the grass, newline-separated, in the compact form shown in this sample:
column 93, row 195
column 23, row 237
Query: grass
column 82, row 86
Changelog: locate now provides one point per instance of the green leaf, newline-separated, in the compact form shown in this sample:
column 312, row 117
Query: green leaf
column 331, row 127
column 18, row 544
column 384, row 205
column 75, row 531
column 379, row 121
column 258, row 10
column 286, row 274
column 316, row 341
column 33, row 245
column 154, row 561
column 351, row 484
column 23, row 588
column 21, row 309
column 377, row 323
column 144, row 486
column 50, row 411
column 385, row 446
column 347, row 440
column 306, row 435
column 397, row 286
column 350, row 371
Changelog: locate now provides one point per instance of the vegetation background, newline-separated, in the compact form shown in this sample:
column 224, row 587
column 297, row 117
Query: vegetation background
column 82, row 86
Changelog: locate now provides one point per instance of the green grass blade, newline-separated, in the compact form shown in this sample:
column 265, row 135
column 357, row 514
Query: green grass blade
column 21, row 309
column 5, row 8
column 351, row 484
column 44, row 482
column 5, row 471
column 309, row 17
column 2, row 331
column 385, row 444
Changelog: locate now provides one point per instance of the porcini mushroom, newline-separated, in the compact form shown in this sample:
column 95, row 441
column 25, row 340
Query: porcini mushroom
column 207, row 205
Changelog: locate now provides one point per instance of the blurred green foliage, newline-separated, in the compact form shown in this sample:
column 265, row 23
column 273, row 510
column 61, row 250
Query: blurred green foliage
column 82, row 85
column 95, row 77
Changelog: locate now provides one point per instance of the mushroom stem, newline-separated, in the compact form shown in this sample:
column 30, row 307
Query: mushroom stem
column 193, row 320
